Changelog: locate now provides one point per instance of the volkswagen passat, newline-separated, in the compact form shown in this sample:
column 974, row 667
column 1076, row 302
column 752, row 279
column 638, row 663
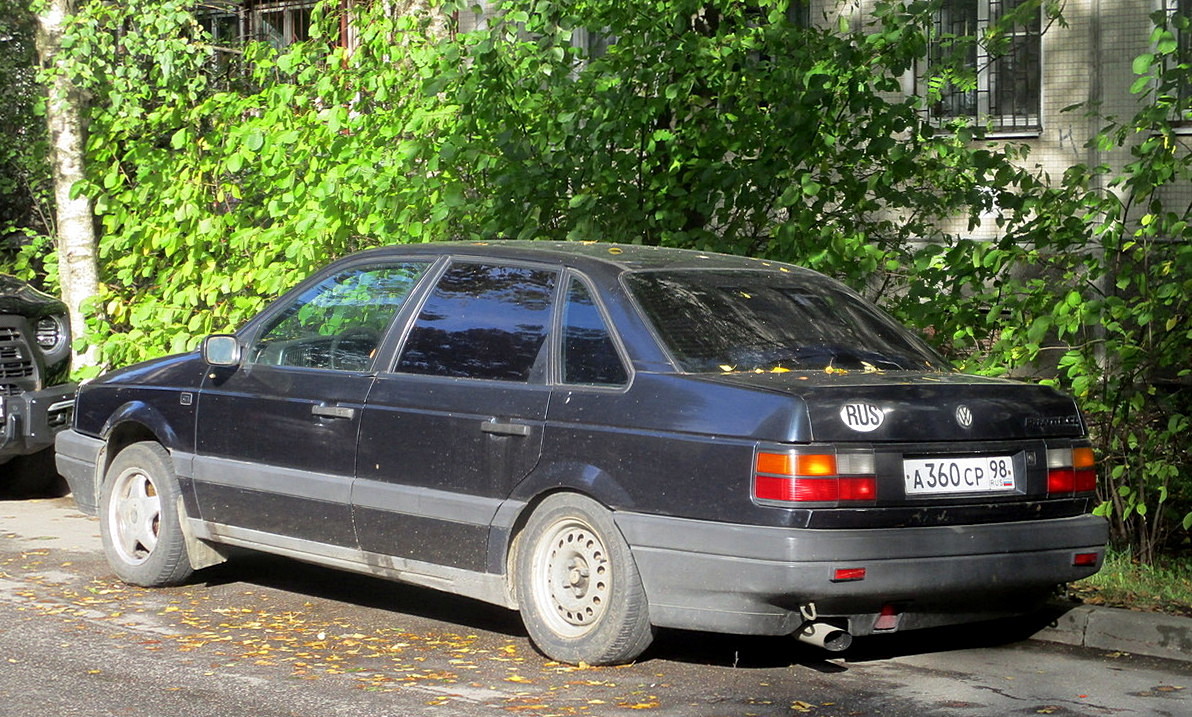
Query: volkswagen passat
column 609, row 439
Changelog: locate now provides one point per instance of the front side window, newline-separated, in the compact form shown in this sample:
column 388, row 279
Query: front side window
column 337, row 323
column 483, row 321
column 1005, row 65
column 749, row 321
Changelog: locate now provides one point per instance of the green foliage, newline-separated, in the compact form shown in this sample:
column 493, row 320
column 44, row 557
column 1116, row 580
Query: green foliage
column 25, row 190
column 715, row 124
column 1089, row 285
column 215, row 199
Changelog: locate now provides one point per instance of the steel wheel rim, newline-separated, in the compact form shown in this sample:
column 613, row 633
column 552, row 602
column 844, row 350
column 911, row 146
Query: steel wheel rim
column 134, row 516
column 572, row 577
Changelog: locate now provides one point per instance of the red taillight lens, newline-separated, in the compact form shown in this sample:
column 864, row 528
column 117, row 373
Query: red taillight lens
column 1061, row 480
column 858, row 488
column 1071, row 470
column 813, row 477
column 1084, row 559
column 815, row 490
column 773, row 488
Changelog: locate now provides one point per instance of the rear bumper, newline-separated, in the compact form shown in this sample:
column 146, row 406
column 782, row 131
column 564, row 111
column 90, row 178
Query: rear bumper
column 753, row 580
column 29, row 421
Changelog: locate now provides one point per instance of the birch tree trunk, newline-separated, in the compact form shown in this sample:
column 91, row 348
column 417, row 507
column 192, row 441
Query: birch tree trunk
column 77, row 267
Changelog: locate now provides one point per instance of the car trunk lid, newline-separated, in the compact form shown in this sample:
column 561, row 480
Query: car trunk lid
column 908, row 406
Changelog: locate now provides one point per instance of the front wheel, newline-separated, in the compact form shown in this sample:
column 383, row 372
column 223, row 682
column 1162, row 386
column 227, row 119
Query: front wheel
column 139, row 521
column 578, row 588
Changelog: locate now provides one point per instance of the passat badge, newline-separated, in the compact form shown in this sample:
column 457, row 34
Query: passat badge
column 861, row 416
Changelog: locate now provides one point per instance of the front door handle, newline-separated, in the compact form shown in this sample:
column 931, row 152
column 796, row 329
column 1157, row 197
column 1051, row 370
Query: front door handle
column 325, row 411
column 495, row 428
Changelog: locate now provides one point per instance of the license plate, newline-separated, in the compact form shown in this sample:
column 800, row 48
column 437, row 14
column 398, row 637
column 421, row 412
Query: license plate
column 931, row 476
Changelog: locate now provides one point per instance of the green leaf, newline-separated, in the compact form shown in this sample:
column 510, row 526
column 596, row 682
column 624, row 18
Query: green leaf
column 1142, row 64
column 254, row 140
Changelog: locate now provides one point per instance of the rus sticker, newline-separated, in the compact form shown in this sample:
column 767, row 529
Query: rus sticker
column 861, row 416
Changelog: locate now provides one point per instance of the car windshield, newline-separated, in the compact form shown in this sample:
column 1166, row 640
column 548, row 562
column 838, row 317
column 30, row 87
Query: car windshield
column 744, row 320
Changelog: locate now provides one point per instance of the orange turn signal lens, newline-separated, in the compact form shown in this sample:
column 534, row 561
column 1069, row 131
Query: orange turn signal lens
column 813, row 465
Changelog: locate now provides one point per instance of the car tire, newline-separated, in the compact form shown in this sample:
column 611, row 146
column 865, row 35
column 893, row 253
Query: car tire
column 577, row 585
column 139, row 521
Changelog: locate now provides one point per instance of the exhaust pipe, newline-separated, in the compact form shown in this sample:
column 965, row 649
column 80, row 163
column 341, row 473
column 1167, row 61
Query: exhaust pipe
column 821, row 634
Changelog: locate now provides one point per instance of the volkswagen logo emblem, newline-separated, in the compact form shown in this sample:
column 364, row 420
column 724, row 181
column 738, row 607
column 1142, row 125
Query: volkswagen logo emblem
column 964, row 416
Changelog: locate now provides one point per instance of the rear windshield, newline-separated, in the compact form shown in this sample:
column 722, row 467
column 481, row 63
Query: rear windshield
column 724, row 320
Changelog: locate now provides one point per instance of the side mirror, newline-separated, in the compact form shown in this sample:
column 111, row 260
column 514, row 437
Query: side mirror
column 221, row 350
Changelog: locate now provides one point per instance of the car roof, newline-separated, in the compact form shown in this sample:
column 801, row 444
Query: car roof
column 585, row 255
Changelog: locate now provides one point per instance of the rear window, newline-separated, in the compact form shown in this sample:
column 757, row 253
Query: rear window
column 718, row 321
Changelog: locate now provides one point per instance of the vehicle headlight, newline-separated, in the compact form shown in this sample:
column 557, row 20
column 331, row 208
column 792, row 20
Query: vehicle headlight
column 49, row 333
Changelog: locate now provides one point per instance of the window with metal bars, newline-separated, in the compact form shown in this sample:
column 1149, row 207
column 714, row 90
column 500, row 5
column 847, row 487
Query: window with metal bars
column 282, row 23
column 1177, row 18
column 1008, row 72
column 279, row 22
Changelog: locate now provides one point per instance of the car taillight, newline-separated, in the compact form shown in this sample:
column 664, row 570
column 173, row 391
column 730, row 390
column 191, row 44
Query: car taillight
column 1071, row 470
column 813, row 474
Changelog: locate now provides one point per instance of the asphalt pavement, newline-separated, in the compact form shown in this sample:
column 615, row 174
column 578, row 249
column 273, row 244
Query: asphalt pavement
column 1069, row 623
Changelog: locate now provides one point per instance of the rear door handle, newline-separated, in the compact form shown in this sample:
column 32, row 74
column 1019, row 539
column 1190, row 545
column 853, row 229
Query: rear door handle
column 325, row 411
column 504, row 429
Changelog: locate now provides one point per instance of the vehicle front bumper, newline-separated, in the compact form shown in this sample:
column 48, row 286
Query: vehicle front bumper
column 746, row 579
column 29, row 420
column 78, row 458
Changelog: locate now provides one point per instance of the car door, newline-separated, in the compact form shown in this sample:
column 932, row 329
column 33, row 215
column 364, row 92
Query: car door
column 276, row 435
column 459, row 419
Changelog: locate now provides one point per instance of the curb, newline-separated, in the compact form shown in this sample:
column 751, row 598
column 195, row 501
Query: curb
column 1106, row 628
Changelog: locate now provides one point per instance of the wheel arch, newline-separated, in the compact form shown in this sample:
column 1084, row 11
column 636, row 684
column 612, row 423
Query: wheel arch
column 133, row 422
column 589, row 481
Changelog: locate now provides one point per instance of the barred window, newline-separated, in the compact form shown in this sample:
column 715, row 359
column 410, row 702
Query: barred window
column 1008, row 72
column 1177, row 18
column 282, row 23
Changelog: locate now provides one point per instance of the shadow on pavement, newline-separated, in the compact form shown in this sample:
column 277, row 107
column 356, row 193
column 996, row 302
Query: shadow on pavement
column 362, row 591
column 734, row 651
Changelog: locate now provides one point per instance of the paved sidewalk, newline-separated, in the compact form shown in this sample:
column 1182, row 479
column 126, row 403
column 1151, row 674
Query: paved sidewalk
column 1114, row 629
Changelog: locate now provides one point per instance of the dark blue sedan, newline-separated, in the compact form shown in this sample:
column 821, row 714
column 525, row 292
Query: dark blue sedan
column 610, row 439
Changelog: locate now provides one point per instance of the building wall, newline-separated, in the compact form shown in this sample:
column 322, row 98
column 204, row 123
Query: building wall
column 1086, row 60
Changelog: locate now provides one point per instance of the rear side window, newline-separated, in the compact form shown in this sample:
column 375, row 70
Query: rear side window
column 589, row 355
column 718, row 321
column 482, row 321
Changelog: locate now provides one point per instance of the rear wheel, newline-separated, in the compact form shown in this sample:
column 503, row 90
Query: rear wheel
column 139, row 521
column 578, row 588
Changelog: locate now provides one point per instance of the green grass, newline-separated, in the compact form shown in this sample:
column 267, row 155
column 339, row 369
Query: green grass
column 1164, row 587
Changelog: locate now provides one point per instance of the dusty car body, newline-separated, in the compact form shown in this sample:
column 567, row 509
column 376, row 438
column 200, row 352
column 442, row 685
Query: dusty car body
column 36, row 396
column 608, row 438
